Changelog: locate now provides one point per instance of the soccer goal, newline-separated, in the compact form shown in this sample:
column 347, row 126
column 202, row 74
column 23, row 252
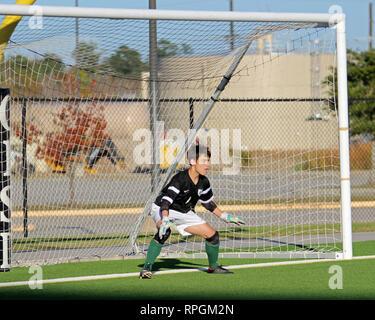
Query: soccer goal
column 100, row 106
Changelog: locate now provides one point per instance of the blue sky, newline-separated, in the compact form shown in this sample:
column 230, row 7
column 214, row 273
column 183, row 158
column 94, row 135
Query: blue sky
column 357, row 11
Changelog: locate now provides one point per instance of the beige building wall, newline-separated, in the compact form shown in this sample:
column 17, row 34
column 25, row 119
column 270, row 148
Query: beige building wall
column 264, row 125
column 269, row 125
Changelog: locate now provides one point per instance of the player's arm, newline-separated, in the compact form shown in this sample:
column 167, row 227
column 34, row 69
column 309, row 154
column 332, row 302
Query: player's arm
column 211, row 206
column 206, row 198
column 164, row 208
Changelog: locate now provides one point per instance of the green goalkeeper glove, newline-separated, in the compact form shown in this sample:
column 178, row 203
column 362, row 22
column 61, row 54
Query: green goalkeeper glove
column 165, row 225
column 230, row 219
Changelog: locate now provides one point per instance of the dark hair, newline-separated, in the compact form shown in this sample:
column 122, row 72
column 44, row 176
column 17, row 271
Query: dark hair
column 198, row 150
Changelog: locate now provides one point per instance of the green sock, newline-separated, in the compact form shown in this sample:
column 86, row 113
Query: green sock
column 212, row 254
column 152, row 253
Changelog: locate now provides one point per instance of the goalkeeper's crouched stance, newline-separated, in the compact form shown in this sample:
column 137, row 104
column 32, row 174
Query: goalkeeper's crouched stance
column 175, row 207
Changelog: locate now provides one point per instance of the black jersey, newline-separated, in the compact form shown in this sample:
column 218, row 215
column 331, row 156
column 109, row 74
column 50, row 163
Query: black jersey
column 183, row 194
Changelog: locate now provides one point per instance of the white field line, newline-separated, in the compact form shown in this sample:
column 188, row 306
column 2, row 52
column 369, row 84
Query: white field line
column 136, row 274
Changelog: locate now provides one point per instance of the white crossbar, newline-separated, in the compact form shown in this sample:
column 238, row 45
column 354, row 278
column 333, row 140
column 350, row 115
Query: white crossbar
column 116, row 13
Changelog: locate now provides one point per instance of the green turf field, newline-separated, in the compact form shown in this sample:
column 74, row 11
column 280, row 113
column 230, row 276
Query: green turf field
column 298, row 281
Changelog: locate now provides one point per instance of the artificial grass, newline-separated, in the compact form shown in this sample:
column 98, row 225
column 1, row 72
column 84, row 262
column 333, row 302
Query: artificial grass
column 304, row 281
column 301, row 281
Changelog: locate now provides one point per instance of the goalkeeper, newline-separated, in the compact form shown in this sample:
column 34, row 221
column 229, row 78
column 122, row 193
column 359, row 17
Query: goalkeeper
column 175, row 207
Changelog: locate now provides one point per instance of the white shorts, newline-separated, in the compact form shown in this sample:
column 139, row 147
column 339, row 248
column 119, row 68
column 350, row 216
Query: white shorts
column 181, row 220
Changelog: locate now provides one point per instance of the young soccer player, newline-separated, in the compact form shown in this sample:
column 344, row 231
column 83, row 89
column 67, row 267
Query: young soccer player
column 175, row 206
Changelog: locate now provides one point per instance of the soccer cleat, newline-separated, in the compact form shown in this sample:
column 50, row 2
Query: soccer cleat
column 145, row 273
column 219, row 270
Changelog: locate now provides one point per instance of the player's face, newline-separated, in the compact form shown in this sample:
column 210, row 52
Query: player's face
column 202, row 165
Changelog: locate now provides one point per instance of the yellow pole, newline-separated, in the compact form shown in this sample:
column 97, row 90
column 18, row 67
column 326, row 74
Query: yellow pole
column 8, row 25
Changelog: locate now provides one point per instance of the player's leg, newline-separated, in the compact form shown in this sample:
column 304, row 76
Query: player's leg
column 155, row 246
column 212, row 241
column 212, row 245
column 153, row 252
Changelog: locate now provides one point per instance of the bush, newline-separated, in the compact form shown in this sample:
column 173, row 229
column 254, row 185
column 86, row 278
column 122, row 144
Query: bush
column 360, row 156
column 320, row 160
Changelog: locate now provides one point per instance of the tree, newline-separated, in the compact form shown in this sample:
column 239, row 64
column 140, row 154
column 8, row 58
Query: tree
column 86, row 56
column 33, row 71
column 126, row 62
column 361, row 84
column 361, row 92
column 167, row 48
column 51, row 66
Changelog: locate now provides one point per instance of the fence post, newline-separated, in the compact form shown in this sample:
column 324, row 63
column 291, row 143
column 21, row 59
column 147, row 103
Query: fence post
column 5, row 225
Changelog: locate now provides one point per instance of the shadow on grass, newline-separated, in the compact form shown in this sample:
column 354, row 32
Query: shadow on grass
column 163, row 264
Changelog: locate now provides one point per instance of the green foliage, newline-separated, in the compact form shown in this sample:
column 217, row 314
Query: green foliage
column 167, row 48
column 126, row 62
column 32, row 71
column 51, row 65
column 86, row 56
column 246, row 158
column 361, row 85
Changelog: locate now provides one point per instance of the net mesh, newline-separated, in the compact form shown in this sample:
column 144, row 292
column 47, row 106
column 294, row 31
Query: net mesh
column 82, row 127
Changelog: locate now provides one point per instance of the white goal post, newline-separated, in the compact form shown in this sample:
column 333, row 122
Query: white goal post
column 73, row 84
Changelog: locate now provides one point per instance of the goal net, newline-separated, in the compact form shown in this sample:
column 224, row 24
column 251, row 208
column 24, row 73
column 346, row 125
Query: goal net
column 102, row 111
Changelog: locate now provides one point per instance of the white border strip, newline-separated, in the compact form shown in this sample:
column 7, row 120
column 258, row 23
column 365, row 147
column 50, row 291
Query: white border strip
column 136, row 274
column 155, row 14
